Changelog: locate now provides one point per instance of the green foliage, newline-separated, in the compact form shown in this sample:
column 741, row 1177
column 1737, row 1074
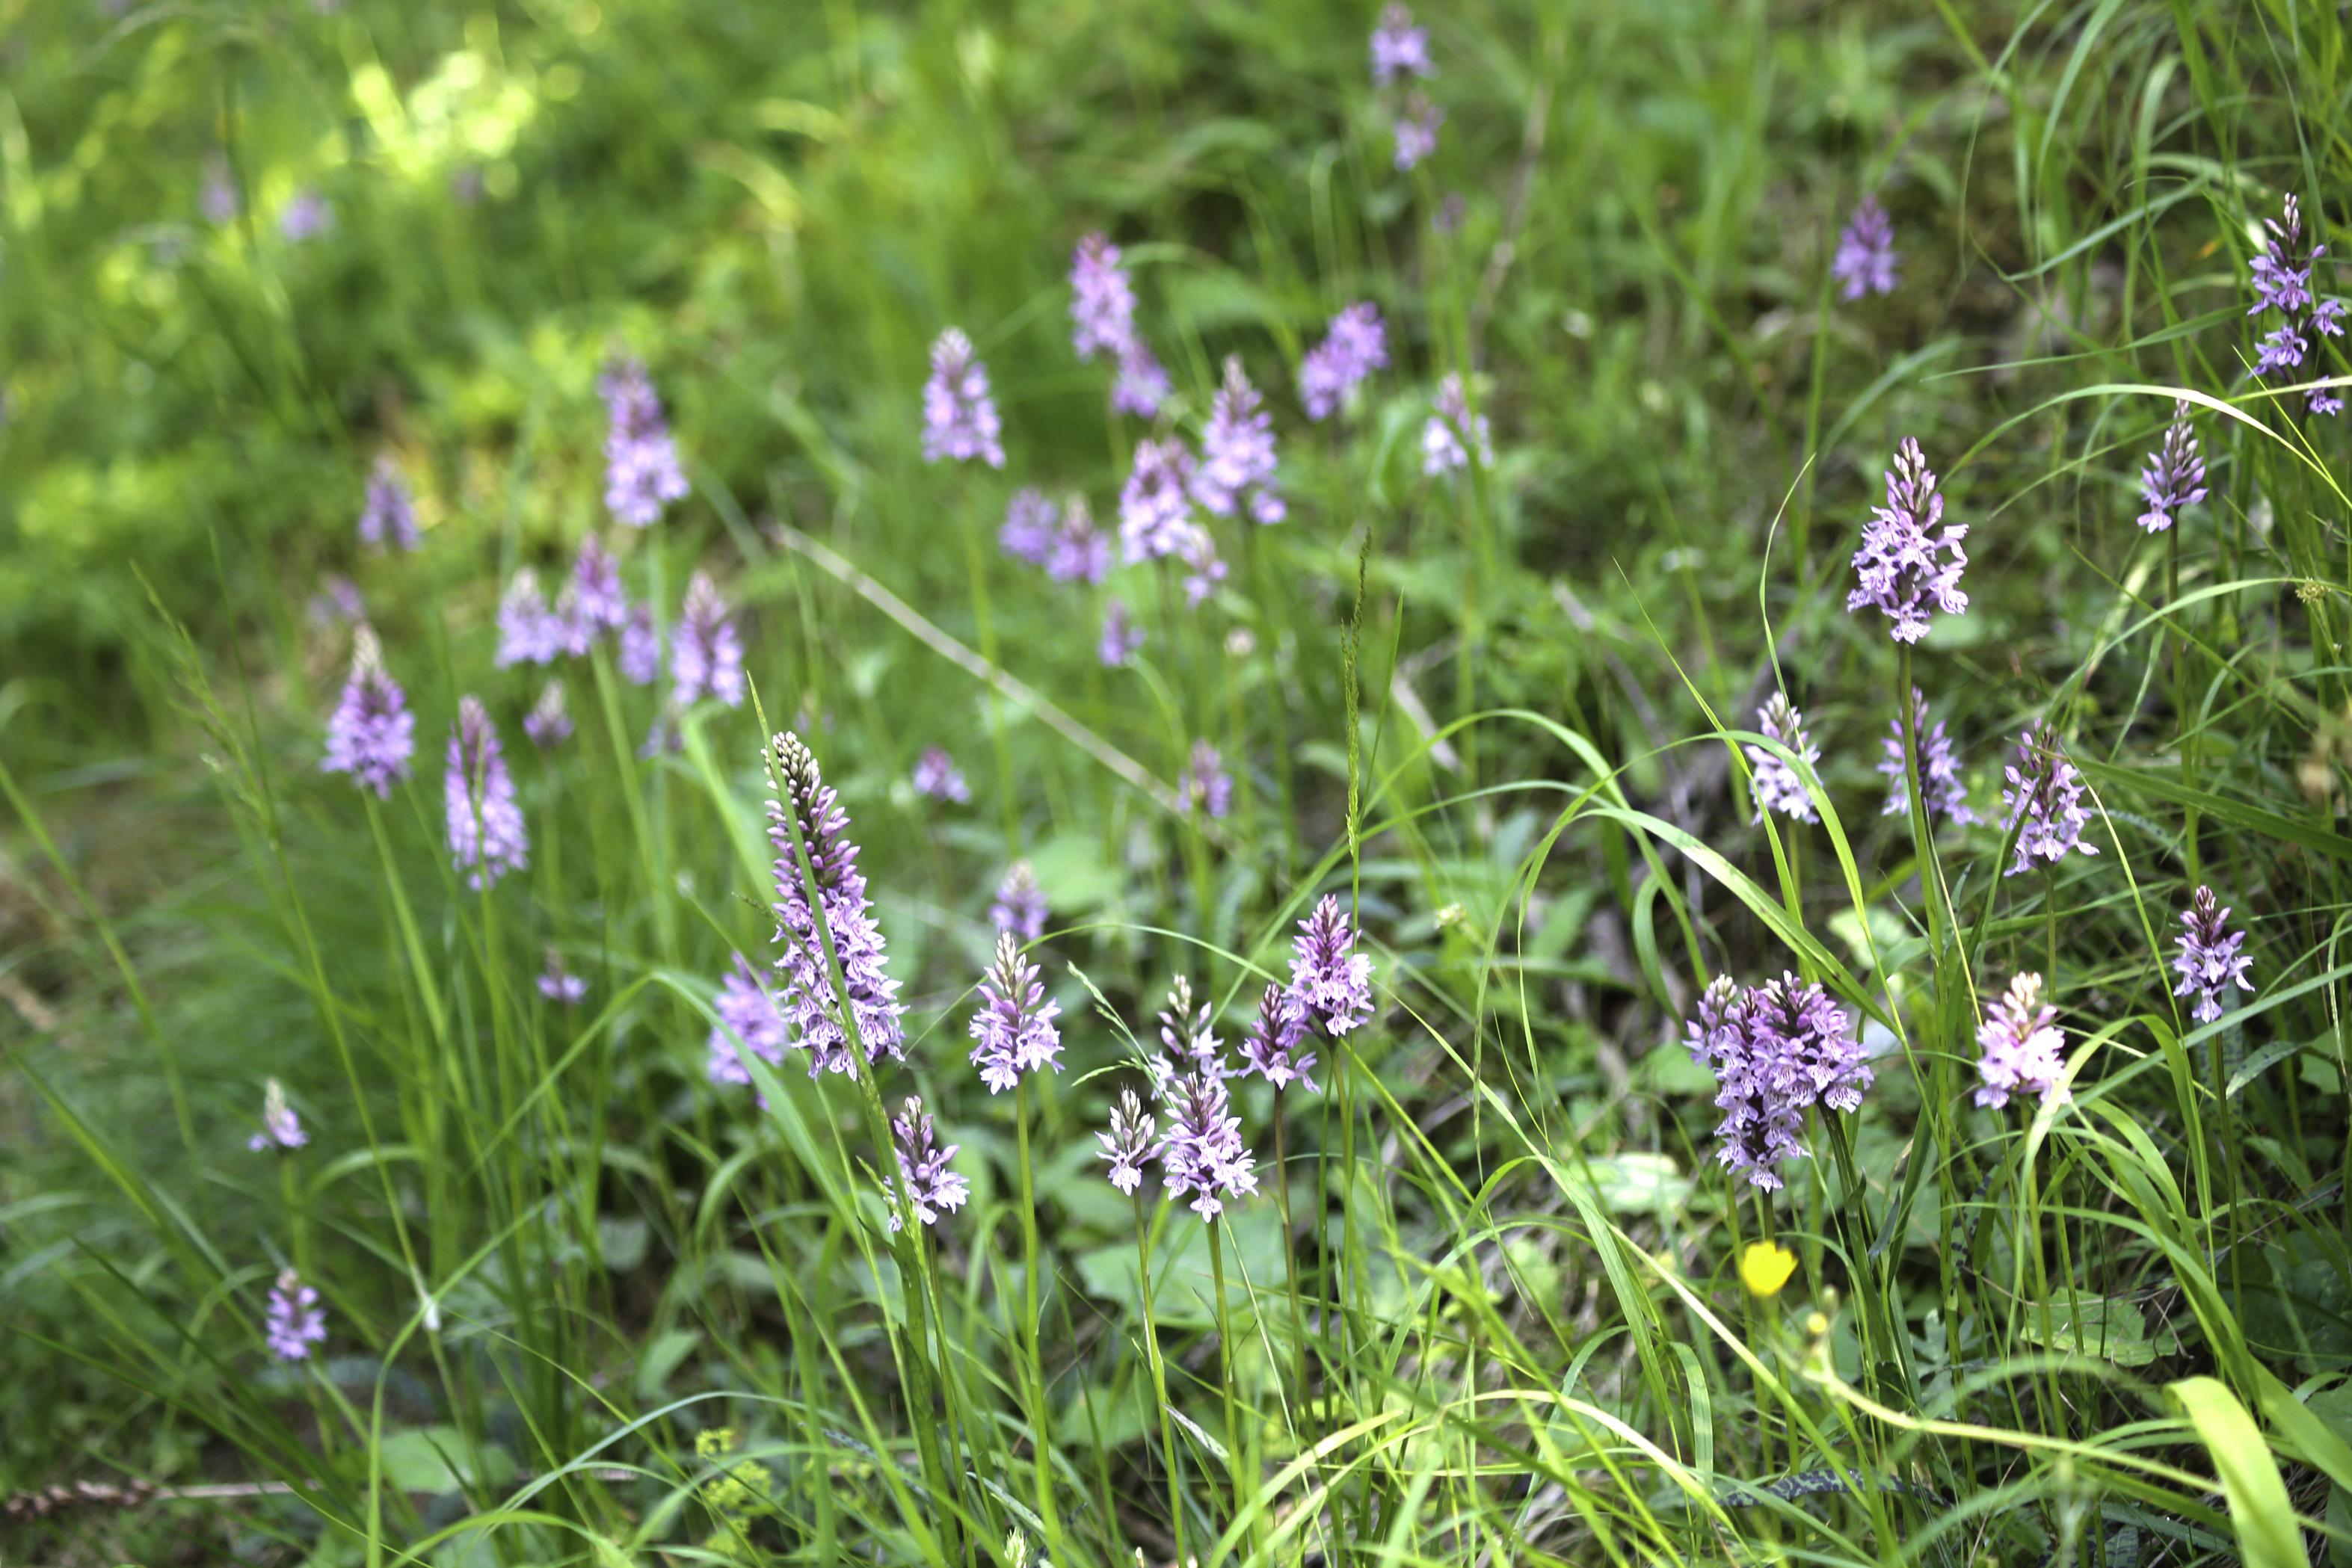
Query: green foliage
column 587, row 1305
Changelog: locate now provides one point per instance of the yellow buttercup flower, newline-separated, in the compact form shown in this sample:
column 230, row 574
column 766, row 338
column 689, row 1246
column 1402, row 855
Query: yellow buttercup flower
column 1765, row 1267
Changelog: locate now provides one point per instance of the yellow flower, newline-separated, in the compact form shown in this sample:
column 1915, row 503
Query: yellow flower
column 1765, row 1267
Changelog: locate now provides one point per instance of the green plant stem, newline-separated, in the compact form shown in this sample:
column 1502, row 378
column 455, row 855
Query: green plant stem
column 1160, row 1382
column 1289, row 1254
column 1041, row 1413
column 976, row 567
column 1236, row 1464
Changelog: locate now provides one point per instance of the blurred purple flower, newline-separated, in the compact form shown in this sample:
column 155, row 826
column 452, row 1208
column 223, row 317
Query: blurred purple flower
column 372, row 735
column 281, row 1128
column 2175, row 474
column 1102, row 311
column 2045, row 796
column 1237, row 452
column 1906, row 567
column 1127, row 1145
column 217, row 198
column 705, row 659
column 388, row 514
column 295, row 1321
column 486, row 826
column 338, row 600
column 1416, row 132
column 1014, row 1029
column 642, row 473
column 932, row 1189
column 1080, row 552
column 1399, row 48
column 529, row 633
column 1440, row 437
column 549, row 723
column 1271, row 1049
column 600, row 604
column 1120, row 637
column 306, row 218
column 747, row 1018
column 1029, row 524
column 2022, row 1047
column 937, row 776
column 1778, row 787
column 1142, row 385
column 641, row 647
column 1330, row 979
column 1948, row 798
column 1355, row 347
column 1020, row 908
column 1199, row 551
column 959, row 416
column 1864, row 262
column 1153, row 507
column 2209, row 962
column 807, row 996
column 1205, row 786
column 558, row 984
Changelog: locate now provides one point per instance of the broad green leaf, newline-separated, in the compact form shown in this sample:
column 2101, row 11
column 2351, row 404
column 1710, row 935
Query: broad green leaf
column 2109, row 1328
column 2260, row 1514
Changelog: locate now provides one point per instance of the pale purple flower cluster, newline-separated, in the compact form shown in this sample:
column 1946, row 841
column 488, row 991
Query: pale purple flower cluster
column 1939, row 771
column 388, row 514
column 486, row 826
column 1205, row 785
column 1202, row 1152
column 1777, row 1050
column 548, row 722
column 2209, row 962
column 1272, row 1048
column 1864, row 262
column 2175, row 474
column 338, row 600
column 1120, row 637
column 1330, row 980
column 937, row 776
column 2044, row 798
column 2283, row 275
column 807, row 996
column 294, row 1320
column 1014, row 1029
column 1102, row 317
column 1441, row 448
column 1020, row 908
column 1155, row 508
column 306, row 218
column 1030, row 521
column 2021, row 1044
column 281, row 1128
column 1237, row 452
column 217, row 198
column 1778, row 787
column 1128, row 1145
column 640, row 654
column 959, row 419
column 1199, row 551
column 642, row 473
column 1355, row 346
column 1416, row 132
column 529, row 632
column 1080, row 551
column 932, row 1189
column 706, row 658
column 1400, row 48
column 1905, row 565
column 598, row 604
column 372, row 735
column 747, row 1018
column 558, row 984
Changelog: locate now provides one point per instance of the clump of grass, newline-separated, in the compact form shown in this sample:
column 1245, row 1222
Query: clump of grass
column 1580, row 1126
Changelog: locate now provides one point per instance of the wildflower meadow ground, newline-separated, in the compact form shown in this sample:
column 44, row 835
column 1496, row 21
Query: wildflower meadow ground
column 1175, row 784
